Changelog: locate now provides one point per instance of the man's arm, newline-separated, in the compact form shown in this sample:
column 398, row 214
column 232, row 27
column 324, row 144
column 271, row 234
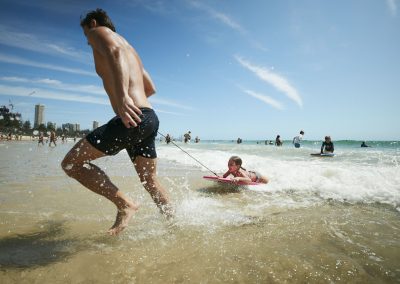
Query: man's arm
column 149, row 87
column 104, row 42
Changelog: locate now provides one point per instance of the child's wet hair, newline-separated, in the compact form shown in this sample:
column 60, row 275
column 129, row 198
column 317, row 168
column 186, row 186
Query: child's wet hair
column 237, row 160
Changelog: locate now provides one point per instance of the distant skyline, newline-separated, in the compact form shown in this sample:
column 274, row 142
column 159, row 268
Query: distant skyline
column 223, row 69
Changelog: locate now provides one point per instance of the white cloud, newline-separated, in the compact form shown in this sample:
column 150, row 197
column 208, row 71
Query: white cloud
column 168, row 112
column 46, row 94
column 278, row 81
column 55, row 84
column 21, row 61
column 392, row 6
column 69, row 92
column 268, row 100
column 221, row 17
column 31, row 42
column 159, row 101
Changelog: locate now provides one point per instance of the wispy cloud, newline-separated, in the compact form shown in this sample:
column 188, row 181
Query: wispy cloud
column 392, row 6
column 55, row 84
column 6, row 58
column 221, row 17
column 278, row 81
column 266, row 99
column 57, row 90
column 169, row 112
column 32, row 42
column 159, row 101
column 46, row 94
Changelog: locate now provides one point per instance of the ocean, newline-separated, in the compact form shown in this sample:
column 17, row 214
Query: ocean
column 319, row 220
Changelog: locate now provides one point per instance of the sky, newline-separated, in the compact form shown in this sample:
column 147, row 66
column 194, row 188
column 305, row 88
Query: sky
column 223, row 69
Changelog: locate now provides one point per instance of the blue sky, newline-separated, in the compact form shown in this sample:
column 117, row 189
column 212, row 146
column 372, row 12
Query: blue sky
column 223, row 69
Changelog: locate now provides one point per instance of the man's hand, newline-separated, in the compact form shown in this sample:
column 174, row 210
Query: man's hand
column 129, row 113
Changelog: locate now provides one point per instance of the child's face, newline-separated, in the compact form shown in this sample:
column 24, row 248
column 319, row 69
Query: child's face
column 232, row 166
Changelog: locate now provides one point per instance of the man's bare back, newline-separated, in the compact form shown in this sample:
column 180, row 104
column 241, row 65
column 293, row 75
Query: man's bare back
column 126, row 82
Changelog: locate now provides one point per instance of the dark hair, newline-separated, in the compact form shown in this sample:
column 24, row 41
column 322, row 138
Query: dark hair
column 101, row 18
column 301, row 132
column 237, row 160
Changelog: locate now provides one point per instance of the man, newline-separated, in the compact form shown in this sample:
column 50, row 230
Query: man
column 297, row 139
column 187, row 137
column 278, row 141
column 41, row 138
column 134, row 128
column 52, row 138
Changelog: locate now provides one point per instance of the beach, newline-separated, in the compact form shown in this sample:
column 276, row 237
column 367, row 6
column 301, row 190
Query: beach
column 319, row 220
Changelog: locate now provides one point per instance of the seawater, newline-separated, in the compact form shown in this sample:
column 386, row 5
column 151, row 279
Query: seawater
column 319, row 220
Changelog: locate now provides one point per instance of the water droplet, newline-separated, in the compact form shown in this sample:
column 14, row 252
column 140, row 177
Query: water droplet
column 69, row 167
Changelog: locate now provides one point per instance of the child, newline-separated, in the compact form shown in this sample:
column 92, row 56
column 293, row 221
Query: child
column 327, row 146
column 240, row 174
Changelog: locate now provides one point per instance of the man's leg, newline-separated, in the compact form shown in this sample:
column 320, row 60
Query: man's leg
column 146, row 169
column 76, row 164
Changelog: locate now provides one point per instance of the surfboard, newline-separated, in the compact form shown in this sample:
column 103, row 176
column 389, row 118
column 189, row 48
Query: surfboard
column 229, row 181
column 322, row 155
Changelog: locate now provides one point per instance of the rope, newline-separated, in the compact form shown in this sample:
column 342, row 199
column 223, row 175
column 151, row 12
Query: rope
column 189, row 155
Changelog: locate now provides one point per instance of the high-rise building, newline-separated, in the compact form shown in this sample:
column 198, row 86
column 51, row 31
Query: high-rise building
column 39, row 115
column 71, row 127
column 95, row 124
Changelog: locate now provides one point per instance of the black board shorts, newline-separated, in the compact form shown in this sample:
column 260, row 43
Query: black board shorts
column 113, row 136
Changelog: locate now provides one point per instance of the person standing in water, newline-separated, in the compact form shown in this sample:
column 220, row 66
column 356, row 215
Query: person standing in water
column 297, row 139
column 134, row 127
column 278, row 141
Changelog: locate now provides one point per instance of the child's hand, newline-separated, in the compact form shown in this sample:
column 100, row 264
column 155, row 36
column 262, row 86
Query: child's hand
column 236, row 179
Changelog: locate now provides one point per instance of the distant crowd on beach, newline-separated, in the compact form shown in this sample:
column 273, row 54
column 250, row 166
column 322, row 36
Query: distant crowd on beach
column 186, row 138
column 326, row 147
column 42, row 137
column 9, row 136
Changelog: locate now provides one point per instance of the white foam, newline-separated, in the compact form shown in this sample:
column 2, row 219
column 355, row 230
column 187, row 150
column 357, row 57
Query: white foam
column 351, row 176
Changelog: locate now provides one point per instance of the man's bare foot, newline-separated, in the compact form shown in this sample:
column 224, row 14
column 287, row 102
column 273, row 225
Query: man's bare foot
column 168, row 211
column 122, row 219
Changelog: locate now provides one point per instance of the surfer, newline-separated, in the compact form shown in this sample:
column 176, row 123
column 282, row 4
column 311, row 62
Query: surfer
column 297, row 139
column 134, row 127
column 240, row 174
column 327, row 146
column 363, row 144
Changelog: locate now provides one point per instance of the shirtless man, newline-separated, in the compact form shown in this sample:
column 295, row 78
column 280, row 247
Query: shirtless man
column 52, row 138
column 134, row 127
